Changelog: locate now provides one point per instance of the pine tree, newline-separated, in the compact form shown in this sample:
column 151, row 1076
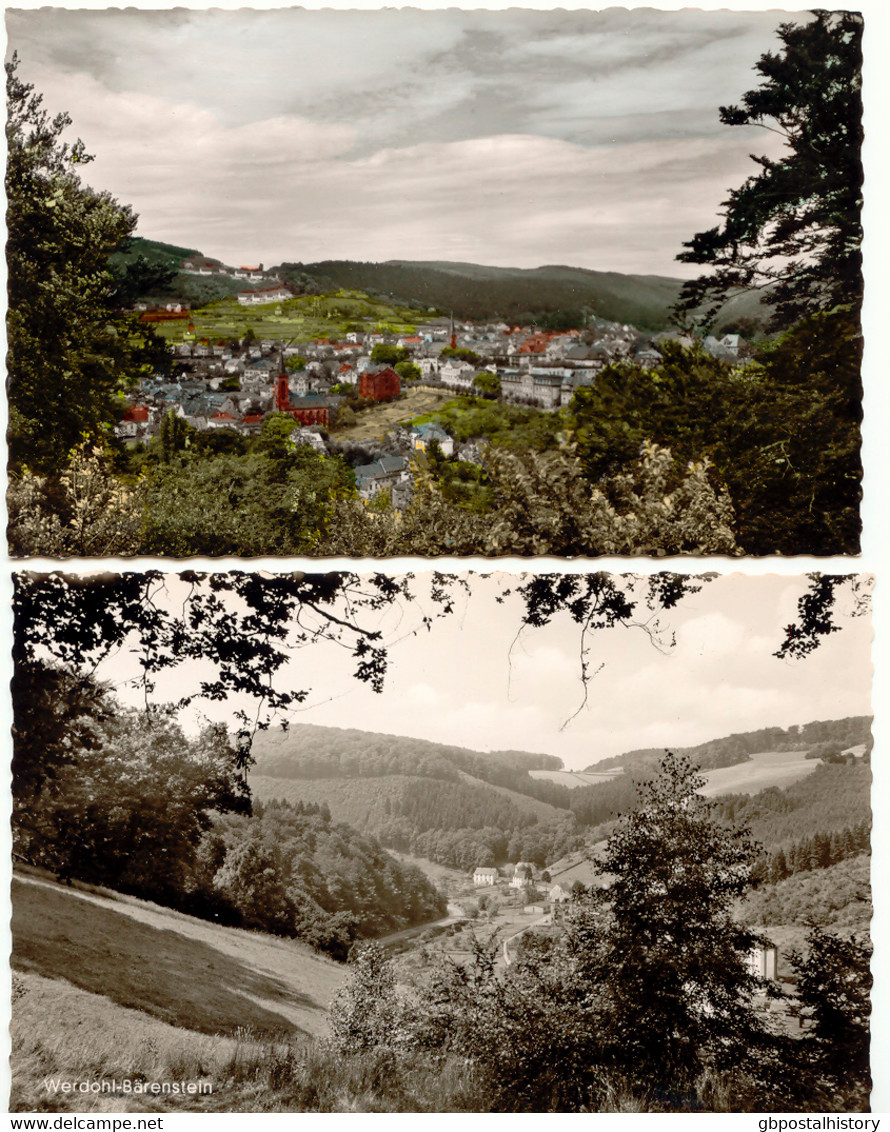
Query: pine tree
column 794, row 227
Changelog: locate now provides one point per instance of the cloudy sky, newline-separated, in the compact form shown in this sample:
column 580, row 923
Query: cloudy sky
column 516, row 138
column 470, row 682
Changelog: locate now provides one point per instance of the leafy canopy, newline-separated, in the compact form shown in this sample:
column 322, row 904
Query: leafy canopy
column 71, row 353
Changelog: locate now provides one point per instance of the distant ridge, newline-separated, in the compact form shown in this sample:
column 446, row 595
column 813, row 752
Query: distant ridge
column 732, row 749
column 477, row 291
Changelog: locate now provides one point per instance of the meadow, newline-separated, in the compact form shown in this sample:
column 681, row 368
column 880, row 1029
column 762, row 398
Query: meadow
column 301, row 319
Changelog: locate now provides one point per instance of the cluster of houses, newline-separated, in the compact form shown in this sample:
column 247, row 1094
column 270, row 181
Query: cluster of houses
column 522, row 877
column 272, row 290
column 235, row 385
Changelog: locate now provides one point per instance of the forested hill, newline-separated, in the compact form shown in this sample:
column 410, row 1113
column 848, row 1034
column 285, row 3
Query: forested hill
column 310, row 751
column 465, row 808
column 821, row 737
column 459, row 807
column 478, row 292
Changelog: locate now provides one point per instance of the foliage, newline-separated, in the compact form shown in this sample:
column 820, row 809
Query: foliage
column 677, row 986
column 84, row 512
column 243, row 625
column 816, row 611
column 489, row 384
column 173, row 435
column 409, row 371
column 738, row 747
column 383, row 354
column 71, row 352
column 292, row 871
column 461, row 355
column 364, row 1013
column 831, row 799
column 794, row 227
column 544, row 505
column 644, row 989
column 833, row 992
column 837, row 896
column 520, row 297
column 782, row 434
column 513, row 426
column 241, row 505
column 129, row 808
column 56, row 715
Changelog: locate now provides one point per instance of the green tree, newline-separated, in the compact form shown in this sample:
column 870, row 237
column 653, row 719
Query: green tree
column 677, row 990
column 86, row 511
column 543, row 504
column 794, row 228
column 782, row 434
column 71, row 353
column 462, row 354
column 489, row 384
column 241, row 505
column 275, row 433
column 384, row 354
column 409, row 371
column 173, row 435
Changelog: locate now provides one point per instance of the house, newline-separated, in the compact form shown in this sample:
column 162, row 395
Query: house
column 423, row 435
column 647, row 357
column 484, row 878
column 136, row 422
column 380, row 385
column 253, row 273
column 455, row 372
column 309, row 409
column 275, row 294
column 558, row 894
column 523, row 874
column 763, row 963
column 572, row 382
column 308, row 437
column 382, row 474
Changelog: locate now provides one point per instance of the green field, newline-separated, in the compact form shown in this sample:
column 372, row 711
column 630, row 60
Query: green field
column 301, row 319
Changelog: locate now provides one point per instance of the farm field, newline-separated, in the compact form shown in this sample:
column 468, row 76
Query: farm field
column 574, row 778
column 300, row 319
column 768, row 768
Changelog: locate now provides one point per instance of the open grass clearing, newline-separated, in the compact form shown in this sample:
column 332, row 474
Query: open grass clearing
column 376, row 421
column 768, row 768
column 181, row 970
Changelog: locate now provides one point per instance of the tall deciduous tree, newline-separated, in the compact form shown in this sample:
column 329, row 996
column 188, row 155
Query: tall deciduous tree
column 794, row 227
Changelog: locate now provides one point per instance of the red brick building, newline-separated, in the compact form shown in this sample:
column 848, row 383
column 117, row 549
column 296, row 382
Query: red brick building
column 382, row 385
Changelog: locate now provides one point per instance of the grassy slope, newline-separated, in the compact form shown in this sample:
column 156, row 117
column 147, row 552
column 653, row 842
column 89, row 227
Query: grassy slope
column 180, row 970
column 768, row 768
column 300, row 319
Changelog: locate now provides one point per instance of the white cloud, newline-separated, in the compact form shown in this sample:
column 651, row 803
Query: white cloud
column 513, row 138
